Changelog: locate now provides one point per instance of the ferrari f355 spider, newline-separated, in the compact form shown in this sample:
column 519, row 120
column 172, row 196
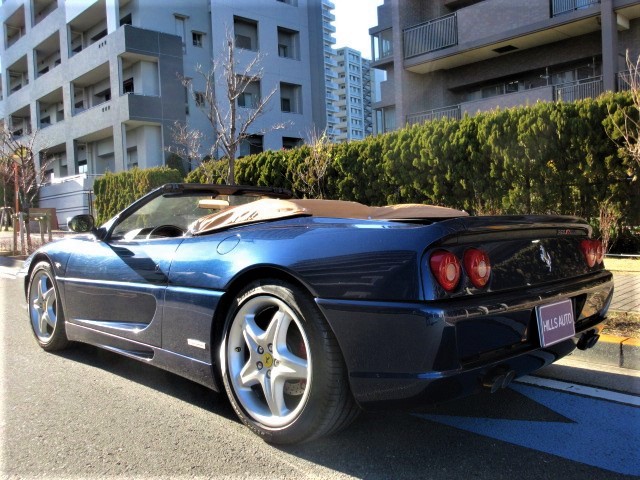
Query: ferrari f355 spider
column 306, row 311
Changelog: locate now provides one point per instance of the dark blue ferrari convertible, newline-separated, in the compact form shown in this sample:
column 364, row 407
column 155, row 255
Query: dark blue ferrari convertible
column 306, row 311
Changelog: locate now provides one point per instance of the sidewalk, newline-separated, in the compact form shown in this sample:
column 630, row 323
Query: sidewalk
column 616, row 351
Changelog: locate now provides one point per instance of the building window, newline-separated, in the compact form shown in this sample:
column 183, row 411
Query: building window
column 291, row 142
column 126, row 20
column 290, row 98
column 199, row 98
column 385, row 119
column 250, row 97
column 186, row 98
column 127, row 86
column 288, row 43
column 382, row 45
column 196, row 38
column 82, row 166
column 181, row 29
column 245, row 33
column 251, row 145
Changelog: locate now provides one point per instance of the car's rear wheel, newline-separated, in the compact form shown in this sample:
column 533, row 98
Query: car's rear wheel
column 45, row 309
column 281, row 365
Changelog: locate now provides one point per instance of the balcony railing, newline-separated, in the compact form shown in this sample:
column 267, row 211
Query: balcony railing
column 452, row 112
column 625, row 81
column 570, row 92
column 430, row 36
column 559, row 7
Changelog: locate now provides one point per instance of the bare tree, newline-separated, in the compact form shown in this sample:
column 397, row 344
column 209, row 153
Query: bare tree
column 313, row 170
column 231, row 114
column 6, row 177
column 187, row 143
column 29, row 173
column 629, row 128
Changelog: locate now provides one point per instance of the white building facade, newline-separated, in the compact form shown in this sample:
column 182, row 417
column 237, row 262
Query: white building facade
column 354, row 95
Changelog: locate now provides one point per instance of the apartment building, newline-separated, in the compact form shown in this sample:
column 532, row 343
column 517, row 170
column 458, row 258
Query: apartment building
column 445, row 58
column 100, row 80
column 354, row 95
column 323, row 76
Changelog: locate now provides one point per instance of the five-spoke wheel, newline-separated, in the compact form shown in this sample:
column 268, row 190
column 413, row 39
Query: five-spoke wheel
column 281, row 365
column 45, row 309
column 268, row 361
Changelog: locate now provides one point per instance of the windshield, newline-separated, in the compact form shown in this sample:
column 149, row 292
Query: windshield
column 175, row 213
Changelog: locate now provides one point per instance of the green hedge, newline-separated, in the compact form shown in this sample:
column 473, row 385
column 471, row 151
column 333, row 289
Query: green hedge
column 547, row 158
column 115, row 191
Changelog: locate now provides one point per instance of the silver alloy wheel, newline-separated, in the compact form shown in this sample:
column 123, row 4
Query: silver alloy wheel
column 269, row 361
column 43, row 305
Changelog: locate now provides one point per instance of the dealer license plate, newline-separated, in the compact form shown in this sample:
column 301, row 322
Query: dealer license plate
column 555, row 322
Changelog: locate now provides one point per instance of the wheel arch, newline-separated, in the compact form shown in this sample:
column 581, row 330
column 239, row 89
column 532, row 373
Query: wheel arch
column 258, row 273
column 35, row 260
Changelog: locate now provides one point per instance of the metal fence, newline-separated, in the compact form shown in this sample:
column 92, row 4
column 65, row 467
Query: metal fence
column 624, row 81
column 559, row 7
column 430, row 36
column 436, row 114
column 570, row 92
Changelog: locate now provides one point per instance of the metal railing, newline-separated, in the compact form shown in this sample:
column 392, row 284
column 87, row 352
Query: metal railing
column 625, row 81
column 452, row 112
column 570, row 92
column 559, row 7
column 430, row 36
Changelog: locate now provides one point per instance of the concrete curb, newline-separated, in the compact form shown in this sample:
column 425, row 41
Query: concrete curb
column 621, row 352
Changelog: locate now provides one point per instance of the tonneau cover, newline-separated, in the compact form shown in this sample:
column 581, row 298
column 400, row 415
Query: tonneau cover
column 272, row 209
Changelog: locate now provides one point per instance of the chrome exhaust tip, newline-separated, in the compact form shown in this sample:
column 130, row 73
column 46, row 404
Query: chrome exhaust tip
column 588, row 340
column 498, row 380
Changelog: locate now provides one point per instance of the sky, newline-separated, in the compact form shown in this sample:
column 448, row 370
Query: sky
column 353, row 20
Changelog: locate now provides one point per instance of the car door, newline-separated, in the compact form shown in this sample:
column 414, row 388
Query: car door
column 118, row 286
column 115, row 280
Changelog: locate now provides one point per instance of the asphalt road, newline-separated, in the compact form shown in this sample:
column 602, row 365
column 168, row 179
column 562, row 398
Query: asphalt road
column 90, row 413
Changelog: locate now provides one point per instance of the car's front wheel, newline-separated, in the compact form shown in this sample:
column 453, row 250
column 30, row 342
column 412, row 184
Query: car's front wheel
column 45, row 309
column 281, row 365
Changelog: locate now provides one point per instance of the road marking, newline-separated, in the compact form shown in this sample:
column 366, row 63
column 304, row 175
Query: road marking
column 600, row 433
column 581, row 390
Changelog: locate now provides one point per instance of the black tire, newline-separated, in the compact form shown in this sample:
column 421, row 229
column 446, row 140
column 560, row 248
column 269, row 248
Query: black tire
column 281, row 365
column 46, row 315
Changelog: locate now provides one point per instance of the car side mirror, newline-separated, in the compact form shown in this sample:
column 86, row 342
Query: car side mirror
column 82, row 224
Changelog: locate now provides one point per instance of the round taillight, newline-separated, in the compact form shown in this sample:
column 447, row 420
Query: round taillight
column 477, row 266
column 589, row 249
column 446, row 268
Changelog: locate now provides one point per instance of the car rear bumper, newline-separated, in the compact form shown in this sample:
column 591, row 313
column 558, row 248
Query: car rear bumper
column 409, row 354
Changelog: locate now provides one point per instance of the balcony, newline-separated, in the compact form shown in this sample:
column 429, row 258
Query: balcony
column 42, row 8
column 567, row 92
column 625, row 81
column 509, row 100
column 18, row 75
column 452, row 112
column 570, row 92
column 558, row 7
column 431, row 36
column 382, row 46
column 14, row 27
column 47, row 54
column 452, row 41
